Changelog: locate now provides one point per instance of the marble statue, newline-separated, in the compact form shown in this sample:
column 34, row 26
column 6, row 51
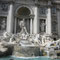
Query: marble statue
column 22, row 26
column 5, row 34
column 43, row 26
column 36, row 38
column 3, row 25
column 23, row 34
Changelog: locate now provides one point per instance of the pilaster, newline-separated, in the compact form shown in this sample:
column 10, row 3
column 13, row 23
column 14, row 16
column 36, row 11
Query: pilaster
column 48, row 27
column 31, row 26
column 10, row 18
column 36, row 20
column 58, row 19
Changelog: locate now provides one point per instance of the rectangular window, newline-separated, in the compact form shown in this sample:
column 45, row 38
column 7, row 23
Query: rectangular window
column 42, row 10
column 54, row 26
column 53, row 10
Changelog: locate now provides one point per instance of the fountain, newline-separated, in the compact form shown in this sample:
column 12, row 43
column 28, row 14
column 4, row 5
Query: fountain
column 6, row 44
column 21, row 44
column 26, row 47
column 24, row 44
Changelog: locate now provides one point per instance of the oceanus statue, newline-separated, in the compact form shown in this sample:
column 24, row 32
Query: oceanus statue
column 23, row 28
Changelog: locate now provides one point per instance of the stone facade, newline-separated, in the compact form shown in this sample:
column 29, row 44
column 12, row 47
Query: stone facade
column 40, row 16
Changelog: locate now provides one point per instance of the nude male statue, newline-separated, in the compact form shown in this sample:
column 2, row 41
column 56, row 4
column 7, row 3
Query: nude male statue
column 22, row 26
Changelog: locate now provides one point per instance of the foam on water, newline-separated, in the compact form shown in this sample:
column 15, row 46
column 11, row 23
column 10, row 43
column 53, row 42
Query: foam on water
column 26, row 57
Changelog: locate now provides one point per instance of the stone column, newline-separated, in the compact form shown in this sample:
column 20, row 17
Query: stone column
column 35, row 20
column 31, row 26
column 58, row 19
column 48, row 21
column 10, row 18
column 15, row 25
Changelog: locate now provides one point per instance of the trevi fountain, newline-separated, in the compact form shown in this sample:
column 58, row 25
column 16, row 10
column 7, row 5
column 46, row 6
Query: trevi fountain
column 27, row 45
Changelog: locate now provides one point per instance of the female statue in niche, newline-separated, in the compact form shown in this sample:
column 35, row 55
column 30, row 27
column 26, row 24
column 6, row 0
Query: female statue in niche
column 43, row 26
column 3, row 25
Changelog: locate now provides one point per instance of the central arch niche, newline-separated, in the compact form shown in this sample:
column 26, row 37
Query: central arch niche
column 23, row 13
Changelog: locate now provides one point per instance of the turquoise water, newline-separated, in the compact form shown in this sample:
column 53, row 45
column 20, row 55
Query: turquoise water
column 37, row 58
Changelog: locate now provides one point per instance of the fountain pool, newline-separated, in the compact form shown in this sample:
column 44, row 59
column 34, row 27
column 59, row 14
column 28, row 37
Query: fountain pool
column 28, row 58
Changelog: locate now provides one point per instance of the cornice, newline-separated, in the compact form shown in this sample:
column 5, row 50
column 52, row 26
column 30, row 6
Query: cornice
column 7, row 0
column 56, row 1
column 36, row 1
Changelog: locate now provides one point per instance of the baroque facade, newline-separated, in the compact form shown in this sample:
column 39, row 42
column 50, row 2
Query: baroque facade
column 40, row 16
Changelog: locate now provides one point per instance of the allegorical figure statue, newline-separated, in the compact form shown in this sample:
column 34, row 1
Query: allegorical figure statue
column 23, row 28
column 43, row 26
column 3, row 25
